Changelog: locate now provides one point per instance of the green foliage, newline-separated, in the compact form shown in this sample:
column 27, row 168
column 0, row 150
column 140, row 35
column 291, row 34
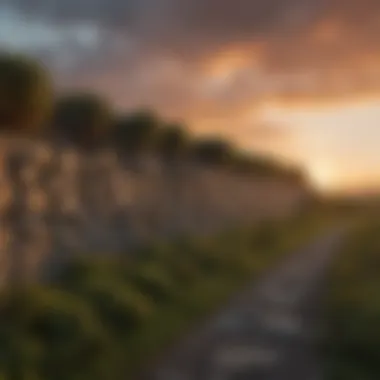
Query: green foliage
column 101, row 283
column 250, row 164
column 80, row 269
column 354, row 307
column 103, row 317
column 135, row 133
column 153, row 280
column 82, row 119
column 246, row 163
column 25, row 94
column 49, row 329
column 120, row 307
column 212, row 152
column 295, row 175
column 172, row 142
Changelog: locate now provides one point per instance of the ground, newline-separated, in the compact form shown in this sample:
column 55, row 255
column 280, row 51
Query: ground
column 269, row 332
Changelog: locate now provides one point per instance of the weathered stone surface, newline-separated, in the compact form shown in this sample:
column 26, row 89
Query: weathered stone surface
column 56, row 201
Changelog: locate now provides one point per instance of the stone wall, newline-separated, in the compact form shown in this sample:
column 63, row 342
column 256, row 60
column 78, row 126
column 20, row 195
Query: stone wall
column 57, row 201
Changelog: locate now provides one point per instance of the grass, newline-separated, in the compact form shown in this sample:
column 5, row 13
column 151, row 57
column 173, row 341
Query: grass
column 106, row 318
column 353, row 307
column 209, row 294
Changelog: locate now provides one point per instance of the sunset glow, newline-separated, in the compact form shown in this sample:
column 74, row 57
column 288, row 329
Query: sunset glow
column 297, row 79
column 338, row 143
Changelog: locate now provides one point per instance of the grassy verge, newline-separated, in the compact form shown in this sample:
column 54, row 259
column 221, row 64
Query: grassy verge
column 353, row 312
column 211, row 292
column 105, row 318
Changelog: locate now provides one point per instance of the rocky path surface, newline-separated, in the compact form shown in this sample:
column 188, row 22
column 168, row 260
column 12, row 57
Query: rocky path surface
column 270, row 332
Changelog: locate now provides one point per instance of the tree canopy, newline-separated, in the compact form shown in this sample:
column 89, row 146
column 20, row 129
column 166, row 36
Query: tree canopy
column 86, row 120
column 212, row 151
column 25, row 94
column 135, row 132
column 172, row 142
column 82, row 118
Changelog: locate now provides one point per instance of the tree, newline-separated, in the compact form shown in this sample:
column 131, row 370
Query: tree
column 296, row 176
column 257, row 166
column 212, row 152
column 171, row 142
column 135, row 133
column 25, row 94
column 82, row 119
column 243, row 163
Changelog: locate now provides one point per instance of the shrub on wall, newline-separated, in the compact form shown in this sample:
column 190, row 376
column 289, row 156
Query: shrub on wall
column 172, row 142
column 214, row 152
column 82, row 119
column 135, row 133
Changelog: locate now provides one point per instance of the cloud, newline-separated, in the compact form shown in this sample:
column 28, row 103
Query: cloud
column 186, row 28
column 291, row 35
column 211, row 62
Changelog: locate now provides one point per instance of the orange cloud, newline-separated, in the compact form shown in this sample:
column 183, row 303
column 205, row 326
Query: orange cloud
column 232, row 59
column 327, row 31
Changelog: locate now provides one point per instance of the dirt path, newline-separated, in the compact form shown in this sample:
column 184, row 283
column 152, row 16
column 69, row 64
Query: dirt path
column 270, row 332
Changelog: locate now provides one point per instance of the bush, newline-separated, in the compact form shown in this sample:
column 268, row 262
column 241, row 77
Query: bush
column 77, row 271
column 120, row 307
column 184, row 269
column 20, row 355
column 207, row 256
column 212, row 152
column 176, row 259
column 82, row 119
column 25, row 94
column 172, row 142
column 135, row 133
column 154, row 281
column 49, row 329
column 109, row 288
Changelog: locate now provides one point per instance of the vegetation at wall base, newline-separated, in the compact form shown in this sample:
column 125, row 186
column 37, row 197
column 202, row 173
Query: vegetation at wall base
column 106, row 318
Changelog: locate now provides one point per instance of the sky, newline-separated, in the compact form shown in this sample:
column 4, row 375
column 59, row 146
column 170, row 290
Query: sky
column 299, row 79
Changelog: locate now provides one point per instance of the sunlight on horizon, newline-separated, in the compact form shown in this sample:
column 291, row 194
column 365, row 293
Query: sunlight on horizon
column 337, row 143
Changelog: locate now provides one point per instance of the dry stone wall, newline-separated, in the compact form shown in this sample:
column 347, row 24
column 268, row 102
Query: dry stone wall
column 57, row 201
